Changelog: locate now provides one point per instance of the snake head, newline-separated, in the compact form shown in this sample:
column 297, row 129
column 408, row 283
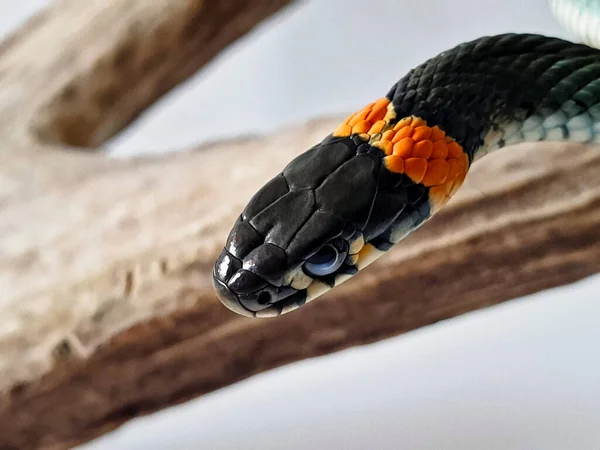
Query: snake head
column 332, row 211
column 335, row 209
column 300, row 234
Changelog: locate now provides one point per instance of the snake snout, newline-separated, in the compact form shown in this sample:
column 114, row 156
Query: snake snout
column 229, row 299
column 246, row 293
column 245, row 304
column 267, row 302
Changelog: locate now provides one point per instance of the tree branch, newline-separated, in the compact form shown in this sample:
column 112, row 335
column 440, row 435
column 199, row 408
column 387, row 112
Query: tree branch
column 107, row 306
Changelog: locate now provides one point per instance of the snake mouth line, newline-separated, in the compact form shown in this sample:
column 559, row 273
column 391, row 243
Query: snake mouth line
column 262, row 306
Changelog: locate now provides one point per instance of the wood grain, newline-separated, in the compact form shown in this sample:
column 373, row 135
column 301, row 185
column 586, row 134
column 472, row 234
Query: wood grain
column 106, row 302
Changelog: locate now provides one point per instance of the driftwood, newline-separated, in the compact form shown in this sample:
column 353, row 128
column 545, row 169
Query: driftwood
column 107, row 310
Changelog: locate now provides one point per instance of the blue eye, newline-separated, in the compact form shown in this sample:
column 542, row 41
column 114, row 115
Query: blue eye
column 326, row 261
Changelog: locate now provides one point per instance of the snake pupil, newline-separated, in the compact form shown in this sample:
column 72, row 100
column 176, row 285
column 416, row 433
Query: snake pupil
column 324, row 255
column 326, row 261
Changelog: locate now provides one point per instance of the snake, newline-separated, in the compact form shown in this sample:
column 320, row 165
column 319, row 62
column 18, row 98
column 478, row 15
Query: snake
column 388, row 168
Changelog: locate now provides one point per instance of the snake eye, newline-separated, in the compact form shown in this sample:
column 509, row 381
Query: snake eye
column 326, row 261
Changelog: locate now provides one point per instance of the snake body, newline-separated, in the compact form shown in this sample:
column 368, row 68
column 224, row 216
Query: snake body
column 392, row 165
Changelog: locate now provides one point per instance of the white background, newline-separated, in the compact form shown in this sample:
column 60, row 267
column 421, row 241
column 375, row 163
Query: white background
column 520, row 376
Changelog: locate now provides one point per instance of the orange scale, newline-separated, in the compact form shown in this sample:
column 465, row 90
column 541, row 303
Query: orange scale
column 417, row 122
column 415, row 168
column 378, row 110
column 385, row 145
column 343, row 130
column 440, row 150
column 402, row 123
column 387, row 135
column 402, row 133
column 403, row 148
column 454, row 150
column 438, row 197
column 457, row 183
column 377, row 127
column 357, row 118
column 464, row 162
column 421, row 133
column 394, row 163
column 437, row 134
column 447, row 187
column 421, row 149
column 361, row 127
column 453, row 170
column 436, row 174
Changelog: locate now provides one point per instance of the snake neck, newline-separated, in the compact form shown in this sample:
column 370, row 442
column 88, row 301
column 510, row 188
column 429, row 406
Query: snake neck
column 572, row 122
column 423, row 152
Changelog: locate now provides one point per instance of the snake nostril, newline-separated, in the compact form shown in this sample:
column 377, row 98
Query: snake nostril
column 264, row 298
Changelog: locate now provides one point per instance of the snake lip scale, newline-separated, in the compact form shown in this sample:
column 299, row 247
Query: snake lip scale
column 389, row 167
